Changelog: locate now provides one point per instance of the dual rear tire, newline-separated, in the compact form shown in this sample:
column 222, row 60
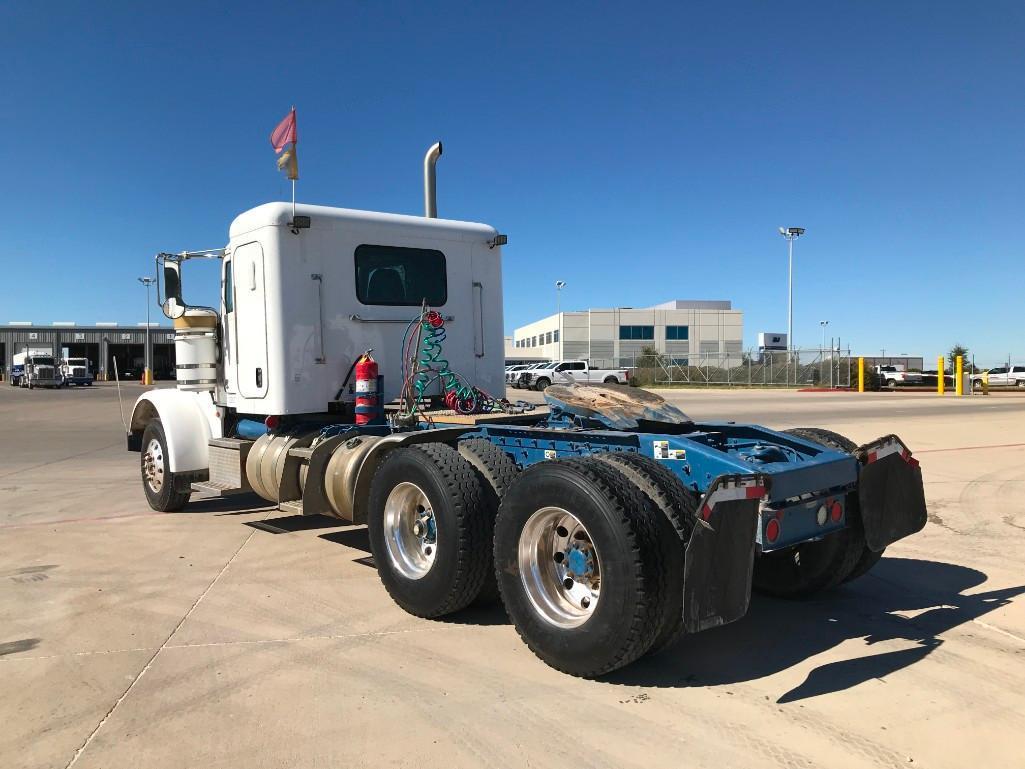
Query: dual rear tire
column 586, row 553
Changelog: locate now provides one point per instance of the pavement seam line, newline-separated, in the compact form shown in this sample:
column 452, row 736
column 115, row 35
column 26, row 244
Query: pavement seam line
column 149, row 664
column 58, row 461
column 290, row 639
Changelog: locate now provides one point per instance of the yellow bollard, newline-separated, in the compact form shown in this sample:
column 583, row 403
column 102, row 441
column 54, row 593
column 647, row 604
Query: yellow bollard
column 147, row 377
column 985, row 383
column 941, row 379
column 861, row 375
column 958, row 375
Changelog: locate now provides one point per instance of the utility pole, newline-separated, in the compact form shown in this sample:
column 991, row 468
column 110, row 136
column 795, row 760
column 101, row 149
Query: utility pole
column 791, row 234
column 147, row 375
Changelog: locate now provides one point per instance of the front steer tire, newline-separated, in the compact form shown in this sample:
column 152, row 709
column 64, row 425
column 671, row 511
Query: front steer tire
column 430, row 577
column 158, row 481
column 619, row 524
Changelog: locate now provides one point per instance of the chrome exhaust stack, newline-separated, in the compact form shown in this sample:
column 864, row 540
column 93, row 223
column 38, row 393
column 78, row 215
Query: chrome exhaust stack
column 431, row 181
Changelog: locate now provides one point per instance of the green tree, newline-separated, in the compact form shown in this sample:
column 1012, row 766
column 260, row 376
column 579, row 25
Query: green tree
column 958, row 349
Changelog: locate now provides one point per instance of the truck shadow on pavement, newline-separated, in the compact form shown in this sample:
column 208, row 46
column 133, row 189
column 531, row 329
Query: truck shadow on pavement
column 900, row 600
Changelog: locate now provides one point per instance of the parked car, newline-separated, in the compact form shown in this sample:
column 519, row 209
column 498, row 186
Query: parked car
column 512, row 372
column 525, row 376
column 1002, row 377
column 892, row 376
column 572, row 370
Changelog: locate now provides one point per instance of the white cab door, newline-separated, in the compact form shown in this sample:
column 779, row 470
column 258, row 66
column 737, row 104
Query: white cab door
column 250, row 321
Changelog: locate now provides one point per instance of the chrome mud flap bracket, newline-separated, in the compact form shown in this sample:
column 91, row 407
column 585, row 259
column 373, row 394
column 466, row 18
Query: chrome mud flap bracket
column 890, row 492
column 720, row 554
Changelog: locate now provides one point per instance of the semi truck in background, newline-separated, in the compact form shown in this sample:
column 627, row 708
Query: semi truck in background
column 346, row 370
column 76, row 371
column 34, row 367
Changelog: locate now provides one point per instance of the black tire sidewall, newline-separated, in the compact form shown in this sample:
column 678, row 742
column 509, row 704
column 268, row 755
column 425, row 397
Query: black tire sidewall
column 166, row 500
column 429, row 595
column 574, row 650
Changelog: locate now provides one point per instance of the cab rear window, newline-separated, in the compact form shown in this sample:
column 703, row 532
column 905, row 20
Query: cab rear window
column 396, row 276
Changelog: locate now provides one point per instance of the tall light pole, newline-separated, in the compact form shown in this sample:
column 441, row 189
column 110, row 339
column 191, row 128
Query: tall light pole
column 559, row 285
column 823, row 323
column 791, row 234
column 147, row 376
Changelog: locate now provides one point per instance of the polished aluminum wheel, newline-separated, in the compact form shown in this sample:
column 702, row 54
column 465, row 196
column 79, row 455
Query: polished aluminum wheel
column 559, row 567
column 153, row 466
column 410, row 530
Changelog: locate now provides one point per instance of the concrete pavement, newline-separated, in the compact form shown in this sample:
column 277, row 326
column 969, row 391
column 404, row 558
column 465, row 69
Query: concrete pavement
column 135, row 639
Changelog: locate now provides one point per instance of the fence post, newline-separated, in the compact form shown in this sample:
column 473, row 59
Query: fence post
column 861, row 375
column 959, row 375
column 941, row 376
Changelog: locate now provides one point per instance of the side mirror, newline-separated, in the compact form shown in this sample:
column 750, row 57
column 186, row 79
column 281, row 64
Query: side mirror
column 173, row 306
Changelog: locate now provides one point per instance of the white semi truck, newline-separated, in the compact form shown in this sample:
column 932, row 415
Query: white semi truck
column 75, row 371
column 609, row 525
column 34, row 367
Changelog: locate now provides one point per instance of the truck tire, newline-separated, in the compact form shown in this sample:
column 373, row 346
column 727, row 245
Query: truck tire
column 542, row 384
column 427, row 536
column 813, row 567
column 579, row 565
column 496, row 471
column 157, row 480
column 610, row 380
column 679, row 506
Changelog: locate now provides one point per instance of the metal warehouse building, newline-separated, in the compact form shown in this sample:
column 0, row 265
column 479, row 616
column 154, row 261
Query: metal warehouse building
column 684, row 330
column 101, row 343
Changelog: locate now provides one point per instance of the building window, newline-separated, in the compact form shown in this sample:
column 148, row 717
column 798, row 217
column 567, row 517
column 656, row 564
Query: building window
column 533, row 341
column 677, row 333
column 390, row 275
column 555, row 335
column 548, row 338
column 636, row 332
column 679, row 361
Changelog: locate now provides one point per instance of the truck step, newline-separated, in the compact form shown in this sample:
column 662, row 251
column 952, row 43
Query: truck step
column 228, row 463
column 293, row 506
column 218, row 488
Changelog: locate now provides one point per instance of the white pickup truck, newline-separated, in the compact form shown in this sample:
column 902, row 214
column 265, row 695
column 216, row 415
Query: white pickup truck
column 571, row 370
column 892, row 376
column 1002, row 377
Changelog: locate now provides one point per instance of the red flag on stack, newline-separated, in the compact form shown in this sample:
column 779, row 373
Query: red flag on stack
column 285, row 137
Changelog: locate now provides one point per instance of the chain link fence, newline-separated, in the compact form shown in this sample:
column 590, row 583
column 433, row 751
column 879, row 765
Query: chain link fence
column 797, row 368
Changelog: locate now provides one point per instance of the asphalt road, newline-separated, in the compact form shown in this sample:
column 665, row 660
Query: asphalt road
column 135, row 639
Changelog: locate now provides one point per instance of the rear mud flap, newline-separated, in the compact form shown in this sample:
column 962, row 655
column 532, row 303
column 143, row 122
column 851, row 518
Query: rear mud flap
column 890, row 492
column 720, row 554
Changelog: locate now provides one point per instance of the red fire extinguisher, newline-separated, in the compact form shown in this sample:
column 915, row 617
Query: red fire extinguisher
column 368, row 399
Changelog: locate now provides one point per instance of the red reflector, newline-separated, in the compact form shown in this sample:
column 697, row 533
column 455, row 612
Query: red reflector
column 871, row 456
column 706, row 512
column 772, row 529
column 912, row 461
column 755, row 492
column 835, row 512
column 272, row 421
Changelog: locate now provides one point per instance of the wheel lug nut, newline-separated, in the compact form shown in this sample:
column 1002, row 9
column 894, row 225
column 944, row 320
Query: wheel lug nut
column 585, row 602
column 560, row 557
column 428, row 550
column 568, row 583
column 561, row 531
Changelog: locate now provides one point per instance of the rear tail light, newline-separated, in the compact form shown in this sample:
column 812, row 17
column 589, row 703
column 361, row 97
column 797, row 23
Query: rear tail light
column 772, row 530
column 835, row 511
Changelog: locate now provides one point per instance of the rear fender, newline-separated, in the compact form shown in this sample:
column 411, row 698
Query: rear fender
column 720, row 554
column 891, row 495
column 189, row 420
column 374, row 457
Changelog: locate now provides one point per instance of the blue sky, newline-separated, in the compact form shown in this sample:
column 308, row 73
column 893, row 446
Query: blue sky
column 640, row 152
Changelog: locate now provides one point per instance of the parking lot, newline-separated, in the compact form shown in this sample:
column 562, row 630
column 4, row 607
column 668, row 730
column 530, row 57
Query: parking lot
column 135, row 639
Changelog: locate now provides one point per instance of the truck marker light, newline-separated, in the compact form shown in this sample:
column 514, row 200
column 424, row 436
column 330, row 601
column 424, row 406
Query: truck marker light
column 772, row 530
column 272, row 421
column 836, row 511
column 822, row 515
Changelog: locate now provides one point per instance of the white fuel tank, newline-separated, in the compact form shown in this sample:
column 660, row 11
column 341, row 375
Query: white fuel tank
column 195, row 349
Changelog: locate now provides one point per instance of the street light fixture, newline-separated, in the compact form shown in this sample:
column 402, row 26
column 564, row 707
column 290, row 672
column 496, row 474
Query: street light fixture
column 559, row 285
column 147, row 375
column 791, row 234
column 823, row 323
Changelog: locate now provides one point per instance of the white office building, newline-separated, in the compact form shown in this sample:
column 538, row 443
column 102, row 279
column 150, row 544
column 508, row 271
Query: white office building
column 685, row 331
